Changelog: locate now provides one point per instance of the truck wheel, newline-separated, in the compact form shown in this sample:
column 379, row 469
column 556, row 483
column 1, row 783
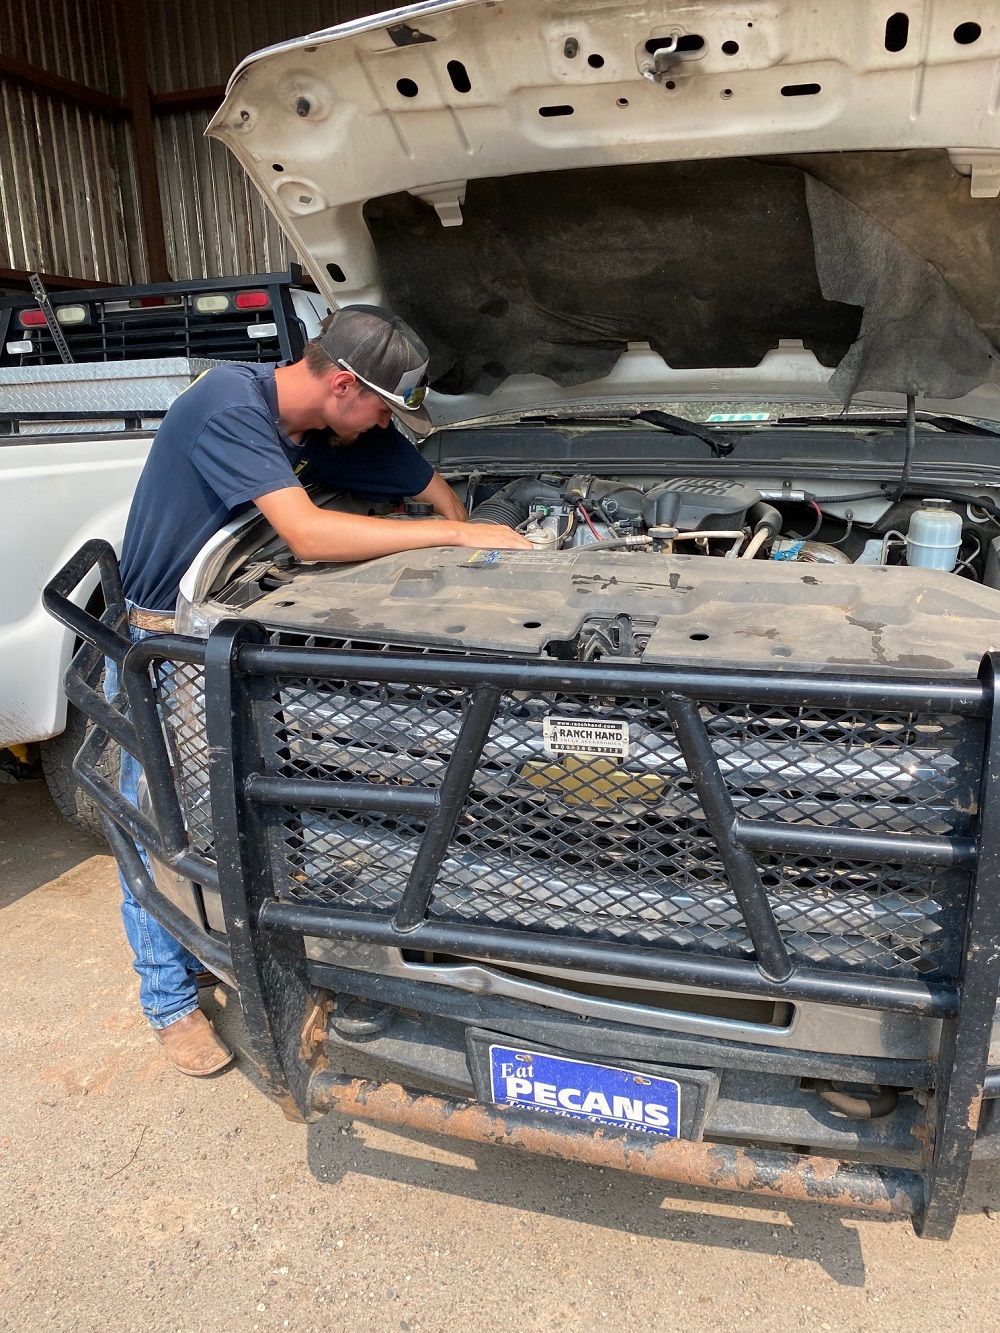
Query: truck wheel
column 57, row 766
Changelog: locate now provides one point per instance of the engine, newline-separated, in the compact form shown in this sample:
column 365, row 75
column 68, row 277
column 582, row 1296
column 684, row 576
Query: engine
column 706, row 515
column 724, row 517
column 561, row 601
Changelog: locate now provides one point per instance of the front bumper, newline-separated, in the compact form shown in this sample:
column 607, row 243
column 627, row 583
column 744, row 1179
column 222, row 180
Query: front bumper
column 270, row 796
column 768, row 1081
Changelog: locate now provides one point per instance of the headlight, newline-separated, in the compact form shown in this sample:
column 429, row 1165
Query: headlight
column 196, row 621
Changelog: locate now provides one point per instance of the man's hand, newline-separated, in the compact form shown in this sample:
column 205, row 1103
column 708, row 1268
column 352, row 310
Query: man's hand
column 325, row 534
column 446, row 503
column 492, row 536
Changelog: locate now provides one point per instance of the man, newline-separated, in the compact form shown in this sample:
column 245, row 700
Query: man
column 242, row 435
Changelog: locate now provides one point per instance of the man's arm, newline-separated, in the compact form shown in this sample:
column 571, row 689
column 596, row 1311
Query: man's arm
column 324, row 534
column 439, row 494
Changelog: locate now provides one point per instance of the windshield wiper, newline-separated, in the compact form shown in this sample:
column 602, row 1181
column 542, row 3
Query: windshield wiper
column 719, row 446
column 949, row 425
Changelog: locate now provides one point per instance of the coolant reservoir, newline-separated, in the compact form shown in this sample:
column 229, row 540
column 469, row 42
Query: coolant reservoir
column 934, row 536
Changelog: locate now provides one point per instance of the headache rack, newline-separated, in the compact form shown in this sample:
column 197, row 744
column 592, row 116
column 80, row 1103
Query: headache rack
column 803, row 838
column 156, row 320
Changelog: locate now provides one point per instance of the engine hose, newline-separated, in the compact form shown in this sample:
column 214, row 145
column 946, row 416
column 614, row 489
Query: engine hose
column 508, row 512
column 956, row 497
column 762, row 516
column 766, row 523
column 633, row 542
column 756, row 542
column 843, row 499
column 509, row 505
column 814, row 530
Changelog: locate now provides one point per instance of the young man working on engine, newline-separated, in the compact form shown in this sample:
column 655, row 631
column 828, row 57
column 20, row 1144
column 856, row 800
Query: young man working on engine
column 254, row 434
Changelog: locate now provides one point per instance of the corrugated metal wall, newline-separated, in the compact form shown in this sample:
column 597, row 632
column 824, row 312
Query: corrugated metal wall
column 192, row 44
column 73, row 38
column 214, row 219
column 67, row 186
column 61, row 197
column 66, row 182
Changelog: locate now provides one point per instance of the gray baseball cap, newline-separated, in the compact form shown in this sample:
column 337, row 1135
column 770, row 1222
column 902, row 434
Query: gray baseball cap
column 386, row 356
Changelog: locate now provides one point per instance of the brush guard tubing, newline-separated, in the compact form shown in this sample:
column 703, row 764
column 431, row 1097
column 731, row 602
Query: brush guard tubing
column 266, row 933
column 101, row 633
column 214, row 953
column 886, row 1191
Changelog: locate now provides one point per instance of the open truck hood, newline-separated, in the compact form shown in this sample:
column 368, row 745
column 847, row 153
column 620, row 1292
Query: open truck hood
column 612, row 201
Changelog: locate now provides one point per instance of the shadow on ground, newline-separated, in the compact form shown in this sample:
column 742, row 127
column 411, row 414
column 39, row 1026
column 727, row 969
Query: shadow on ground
column 36, row 843
column 604, row 1199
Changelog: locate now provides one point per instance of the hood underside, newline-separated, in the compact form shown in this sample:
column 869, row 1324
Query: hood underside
column 542, row 189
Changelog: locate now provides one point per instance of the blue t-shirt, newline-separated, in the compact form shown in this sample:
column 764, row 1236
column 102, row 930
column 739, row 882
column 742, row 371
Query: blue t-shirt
column 220, row 447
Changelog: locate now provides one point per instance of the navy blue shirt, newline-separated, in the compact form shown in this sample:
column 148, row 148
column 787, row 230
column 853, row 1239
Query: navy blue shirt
column 220, row 447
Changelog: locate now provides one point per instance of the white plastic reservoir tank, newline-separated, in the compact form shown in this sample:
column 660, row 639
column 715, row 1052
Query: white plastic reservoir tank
column 934, row 536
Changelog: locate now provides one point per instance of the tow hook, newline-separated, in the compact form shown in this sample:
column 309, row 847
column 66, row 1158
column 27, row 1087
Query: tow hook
column 356, row 1019
column 859, row 1101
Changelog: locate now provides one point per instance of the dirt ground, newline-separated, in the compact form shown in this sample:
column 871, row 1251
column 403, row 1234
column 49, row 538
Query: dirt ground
column 133, row 1198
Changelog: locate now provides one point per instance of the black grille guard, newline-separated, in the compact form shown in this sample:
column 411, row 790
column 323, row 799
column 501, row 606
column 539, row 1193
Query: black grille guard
column 405, row 800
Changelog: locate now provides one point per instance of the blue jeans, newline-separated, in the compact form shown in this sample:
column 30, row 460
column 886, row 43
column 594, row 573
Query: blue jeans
column 168, row 989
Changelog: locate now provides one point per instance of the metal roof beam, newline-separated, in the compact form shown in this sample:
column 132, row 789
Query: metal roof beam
column 43, row 81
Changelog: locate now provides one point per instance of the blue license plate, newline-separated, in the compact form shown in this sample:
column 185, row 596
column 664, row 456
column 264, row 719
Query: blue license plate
column 584, row 1091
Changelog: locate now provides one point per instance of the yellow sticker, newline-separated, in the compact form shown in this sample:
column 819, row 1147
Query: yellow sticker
column 597, row 782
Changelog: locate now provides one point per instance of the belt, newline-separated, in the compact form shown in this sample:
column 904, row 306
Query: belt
column 160, row 621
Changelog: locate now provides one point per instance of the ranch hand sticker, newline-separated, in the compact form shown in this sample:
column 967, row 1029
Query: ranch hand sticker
column 582, row 735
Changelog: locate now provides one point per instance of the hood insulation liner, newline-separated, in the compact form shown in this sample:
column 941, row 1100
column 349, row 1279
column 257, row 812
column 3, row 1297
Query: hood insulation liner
column 711, row 263
column 915, row 336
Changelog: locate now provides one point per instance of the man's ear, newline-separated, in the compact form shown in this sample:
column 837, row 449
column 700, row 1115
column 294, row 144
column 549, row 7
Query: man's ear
column 339, row 381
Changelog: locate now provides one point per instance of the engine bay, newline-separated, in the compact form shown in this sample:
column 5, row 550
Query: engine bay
column 658, row 569
column 725, row 517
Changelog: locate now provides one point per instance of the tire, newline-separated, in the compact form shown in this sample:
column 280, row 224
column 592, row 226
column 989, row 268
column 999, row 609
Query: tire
column 57, row 767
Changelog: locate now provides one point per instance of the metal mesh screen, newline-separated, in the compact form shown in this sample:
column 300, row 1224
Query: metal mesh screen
column 618, row 849
column 180, row 692
column 879, row 772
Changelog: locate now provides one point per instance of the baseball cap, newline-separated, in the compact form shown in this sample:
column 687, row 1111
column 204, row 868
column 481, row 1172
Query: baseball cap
column 385, row 354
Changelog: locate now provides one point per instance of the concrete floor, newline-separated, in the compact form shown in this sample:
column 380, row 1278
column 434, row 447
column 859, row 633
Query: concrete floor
column 133, row 1198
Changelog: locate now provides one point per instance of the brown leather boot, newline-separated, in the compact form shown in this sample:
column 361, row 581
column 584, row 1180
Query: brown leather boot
column 193, row 1045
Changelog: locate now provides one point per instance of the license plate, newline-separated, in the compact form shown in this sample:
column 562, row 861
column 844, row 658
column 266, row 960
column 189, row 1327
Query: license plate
column 596, row 1093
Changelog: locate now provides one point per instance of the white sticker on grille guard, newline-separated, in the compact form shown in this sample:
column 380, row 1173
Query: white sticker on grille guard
column 585, row 735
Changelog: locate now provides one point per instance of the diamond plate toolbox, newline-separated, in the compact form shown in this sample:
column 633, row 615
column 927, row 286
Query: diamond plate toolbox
column 104, row 386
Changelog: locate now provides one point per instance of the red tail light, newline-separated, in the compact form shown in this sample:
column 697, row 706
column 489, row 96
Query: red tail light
column 252, row 300
column 32, row 319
